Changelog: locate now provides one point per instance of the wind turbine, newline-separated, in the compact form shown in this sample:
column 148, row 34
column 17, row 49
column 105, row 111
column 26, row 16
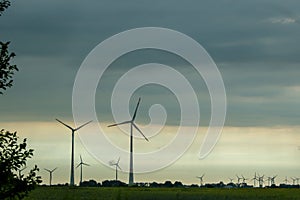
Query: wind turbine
column 201, row 179
column 297, row 179
column 285, row 180
column 117, row 166
column 273, row 180
column 132, row 125
column 238, row 178
column 72, row 153
column 231, row 179
column 254, row 179
column 261, row 180
column 269, row 180
column 294, row 180
column 50, row 172
column 244, row 179
column 20, row 171
column 80, row 164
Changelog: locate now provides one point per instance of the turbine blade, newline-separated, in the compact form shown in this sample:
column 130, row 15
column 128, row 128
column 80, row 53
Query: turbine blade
column 47, row 170
column 126, row 122
column 140, row 131
column 111, row 162
column 80, row 158
column 119, row 167
column 64, row 124
column 54, row 169
column 86, row 164
column 78, row 165
column 118, row 161
column 83, row 125
column 136, row 108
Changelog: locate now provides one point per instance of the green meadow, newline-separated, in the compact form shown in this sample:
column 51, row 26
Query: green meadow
column 162, row 193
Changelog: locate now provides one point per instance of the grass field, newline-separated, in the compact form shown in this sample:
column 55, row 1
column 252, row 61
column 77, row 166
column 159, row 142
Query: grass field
column 161, row 193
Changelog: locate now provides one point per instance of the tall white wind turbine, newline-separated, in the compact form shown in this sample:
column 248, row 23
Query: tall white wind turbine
column 132, row 125
column 72, row 153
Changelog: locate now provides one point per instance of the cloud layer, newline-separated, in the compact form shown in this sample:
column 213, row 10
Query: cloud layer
column 254, row 44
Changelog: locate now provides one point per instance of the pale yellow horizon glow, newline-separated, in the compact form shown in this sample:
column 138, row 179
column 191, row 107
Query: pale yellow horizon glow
column 240, row 150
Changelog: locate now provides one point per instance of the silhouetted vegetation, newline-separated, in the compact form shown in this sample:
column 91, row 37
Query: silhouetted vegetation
column 113, row 183
column 13, row 157
column 4, row 4
column 90, row 183
column 7, row 69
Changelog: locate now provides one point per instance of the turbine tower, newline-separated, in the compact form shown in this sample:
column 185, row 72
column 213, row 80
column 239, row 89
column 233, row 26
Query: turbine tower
column 112, row 163
column 50, row 173
column 201, row 179
column 72, row 153
column 132, row 125
column 80, row 164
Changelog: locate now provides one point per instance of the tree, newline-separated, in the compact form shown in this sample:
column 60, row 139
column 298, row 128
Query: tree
column 13, row 157
column 6, row 68
column 4, row 4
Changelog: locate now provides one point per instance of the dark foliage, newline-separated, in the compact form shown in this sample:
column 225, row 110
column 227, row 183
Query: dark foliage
column 90, row 183
column 6, row 68
column 113, row 183
column 13, row 157
column 4, row 4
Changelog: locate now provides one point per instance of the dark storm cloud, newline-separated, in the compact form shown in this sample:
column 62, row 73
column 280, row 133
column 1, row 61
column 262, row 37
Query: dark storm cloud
column 255, row 45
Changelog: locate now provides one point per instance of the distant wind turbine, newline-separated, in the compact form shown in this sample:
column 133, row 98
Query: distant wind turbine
column 112, row 163
column 244, row 179
column 231, row 180
column 269, row 180
column 238, row 179
column 294, row 180
column 72, row 153
column 80, row 164
column 261, row 180
column 132, row 125
column 254, row 179
column 50, row 173
column 286, row 180
column 201, row 179
column 297, row 179
column 273, row 180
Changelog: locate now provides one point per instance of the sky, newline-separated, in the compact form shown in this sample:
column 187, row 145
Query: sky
column 255, row 46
